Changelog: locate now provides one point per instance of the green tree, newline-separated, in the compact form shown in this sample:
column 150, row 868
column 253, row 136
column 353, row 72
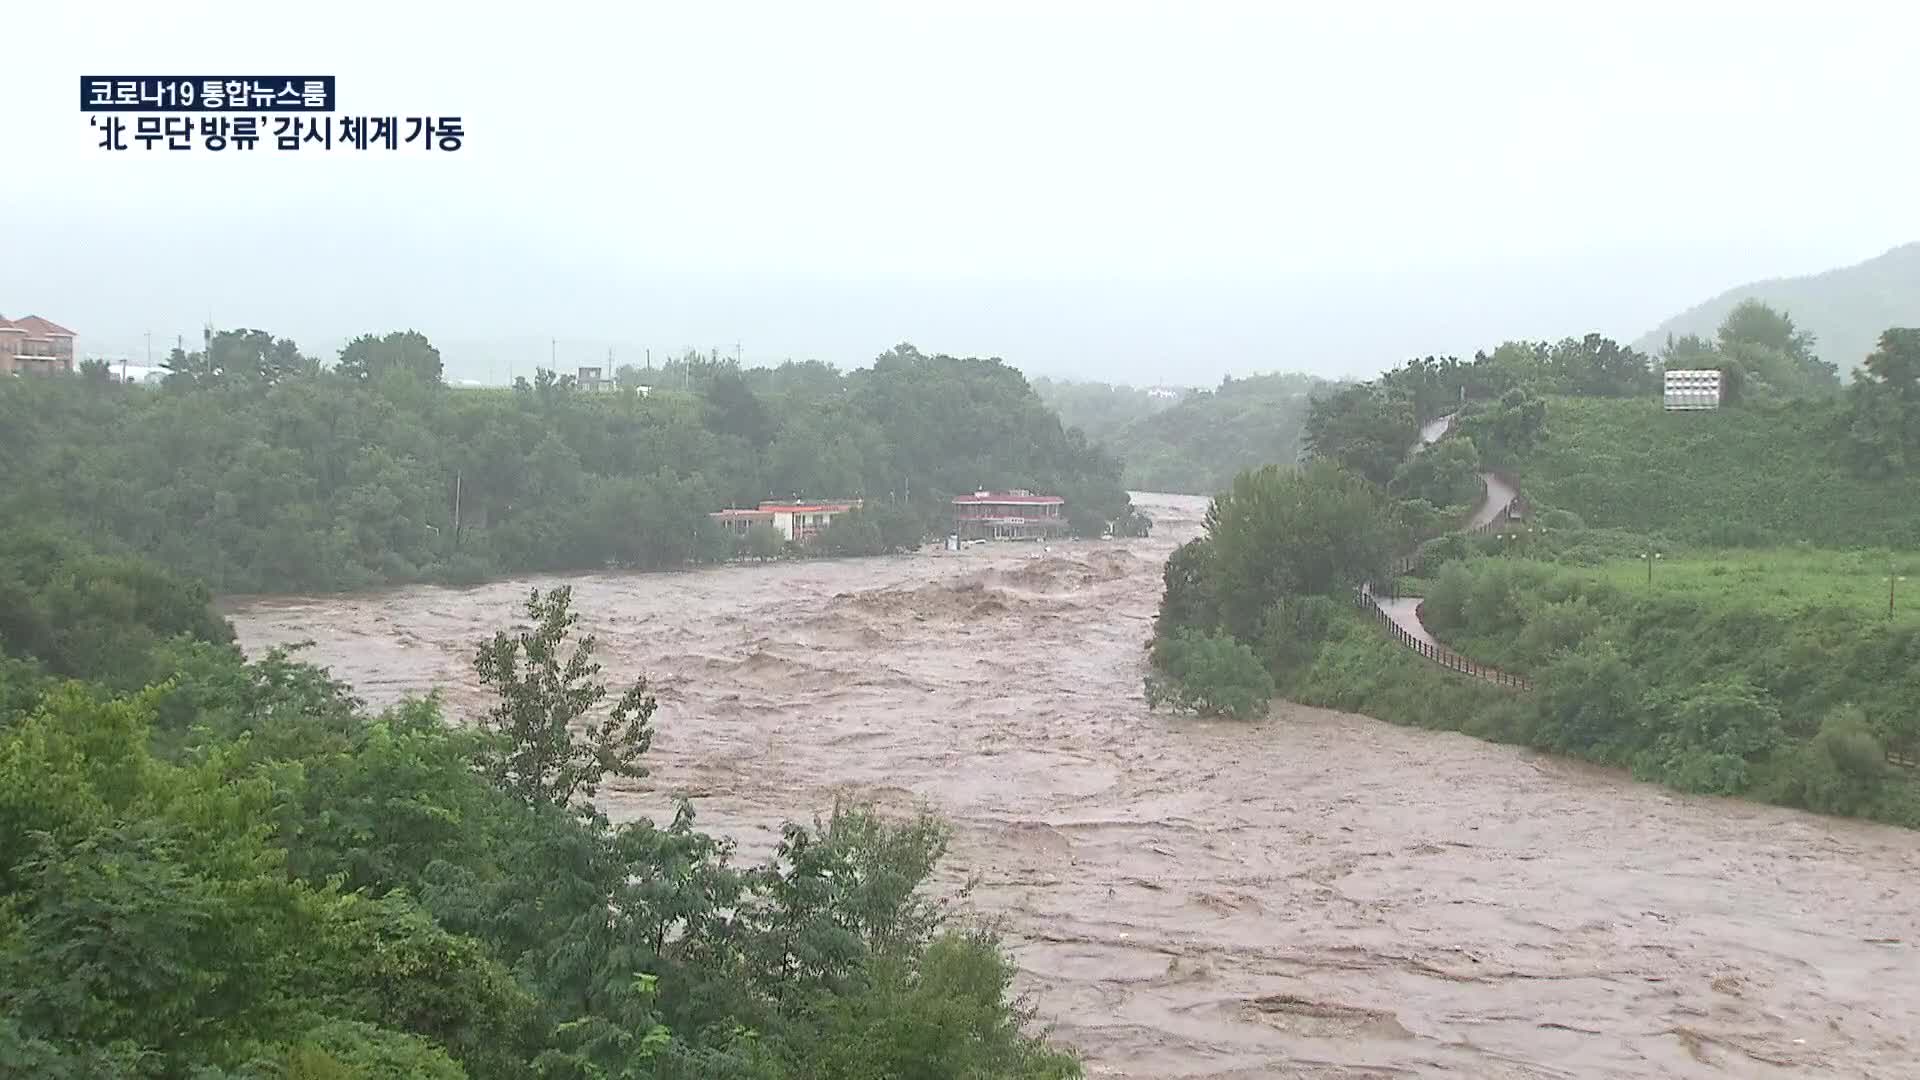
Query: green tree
column 1365, row 429
column 736, row 410
column 403, row 352
column 1592, row 703
column 1280, row 532
column 852, row 533
column 1775, row 357
column 1444, row 474
column 1708, row 736
column 1507, row 430
column 1208, row 673
column 1883, row 426
column 537, row 756
column 1189, row 599
column 1598, row 366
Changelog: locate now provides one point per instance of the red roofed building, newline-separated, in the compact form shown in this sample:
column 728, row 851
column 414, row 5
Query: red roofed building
column 35, row 346
column 1009, row 515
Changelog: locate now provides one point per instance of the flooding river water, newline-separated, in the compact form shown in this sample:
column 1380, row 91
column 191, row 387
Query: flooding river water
column 1313, row 895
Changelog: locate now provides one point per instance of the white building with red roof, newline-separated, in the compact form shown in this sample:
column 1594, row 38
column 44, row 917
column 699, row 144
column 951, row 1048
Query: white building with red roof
column 35, row 346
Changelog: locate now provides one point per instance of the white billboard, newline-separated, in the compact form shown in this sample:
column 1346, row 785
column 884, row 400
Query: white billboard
column 1691, row 390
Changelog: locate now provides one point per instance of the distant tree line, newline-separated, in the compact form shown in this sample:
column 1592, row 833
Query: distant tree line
column 1193, row 440
column 257, row 468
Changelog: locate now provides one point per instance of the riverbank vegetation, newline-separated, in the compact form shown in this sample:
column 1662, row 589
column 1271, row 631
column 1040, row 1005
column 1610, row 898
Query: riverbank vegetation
column 254, row 468
column 1774, row 674
column 235, row 870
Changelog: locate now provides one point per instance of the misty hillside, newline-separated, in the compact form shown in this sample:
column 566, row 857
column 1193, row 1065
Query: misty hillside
column 1196, row 446
column 1846, row 308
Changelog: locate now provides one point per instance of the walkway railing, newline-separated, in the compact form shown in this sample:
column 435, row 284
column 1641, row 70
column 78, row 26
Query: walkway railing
column 1439, row 654
column 1367, row 598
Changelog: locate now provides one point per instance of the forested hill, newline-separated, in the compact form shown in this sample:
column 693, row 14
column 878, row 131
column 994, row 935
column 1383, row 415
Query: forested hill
column 1195, row 444
column 1846, row 309
column 256, row 468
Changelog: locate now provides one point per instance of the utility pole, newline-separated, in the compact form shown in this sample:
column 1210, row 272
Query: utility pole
column 736, row 353
column 553, row 353
column 456, row 510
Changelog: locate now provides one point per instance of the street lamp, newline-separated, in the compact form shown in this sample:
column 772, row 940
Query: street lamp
column 1650, row 556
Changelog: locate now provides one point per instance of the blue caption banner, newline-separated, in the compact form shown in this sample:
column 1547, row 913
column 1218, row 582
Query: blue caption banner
column 206, row 93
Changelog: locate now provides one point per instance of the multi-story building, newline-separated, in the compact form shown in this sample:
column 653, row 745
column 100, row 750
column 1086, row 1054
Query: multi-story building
column 1009, row 515
column 796, row 522
column 34, row 346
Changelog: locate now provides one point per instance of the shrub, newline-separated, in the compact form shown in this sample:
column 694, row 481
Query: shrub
column 850, row 534
column 1559, row 520
column 1211, row 674
column 1591, row 704
column 1291, row 633
column 763, row 541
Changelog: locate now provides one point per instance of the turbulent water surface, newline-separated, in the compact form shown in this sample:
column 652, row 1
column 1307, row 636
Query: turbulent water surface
column 1314, row 895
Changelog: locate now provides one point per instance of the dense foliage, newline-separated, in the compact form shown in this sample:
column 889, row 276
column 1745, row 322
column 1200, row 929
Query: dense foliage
column 254, row 469
column 1196, row 445
column 1211, row 674
column 1727, row 687
column 1495, row 401
column 1760, row 353
column 1104, row 410
column 1277, row 545
column 1883, row 426
column 1766, row 474
column 239, row 872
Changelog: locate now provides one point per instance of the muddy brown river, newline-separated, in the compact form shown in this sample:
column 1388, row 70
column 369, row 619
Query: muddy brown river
column 1313, row 895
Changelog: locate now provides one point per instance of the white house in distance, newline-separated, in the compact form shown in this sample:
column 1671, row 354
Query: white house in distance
column 1690, row 390
column 796, row 522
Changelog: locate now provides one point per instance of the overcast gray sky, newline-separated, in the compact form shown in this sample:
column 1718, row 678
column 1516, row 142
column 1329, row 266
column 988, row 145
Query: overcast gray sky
column 1104, row 190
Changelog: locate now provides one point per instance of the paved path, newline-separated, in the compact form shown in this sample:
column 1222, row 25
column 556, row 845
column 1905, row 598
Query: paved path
column 1402, row 613
column 1500, row 493
column 1405, row 613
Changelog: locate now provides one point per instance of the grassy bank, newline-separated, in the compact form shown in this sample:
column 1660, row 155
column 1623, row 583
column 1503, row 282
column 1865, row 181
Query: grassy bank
column 1772, row 675
column 1356, row 668
column 1751, row 476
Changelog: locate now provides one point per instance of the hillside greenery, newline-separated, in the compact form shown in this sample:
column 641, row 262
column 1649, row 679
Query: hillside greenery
column 1104, row 410
column 1760, row 475
column 256, row 468
column 1776, row 675
column 1717, row 676
column 1844, row 309
column 238, row 871
column 1197, row 445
